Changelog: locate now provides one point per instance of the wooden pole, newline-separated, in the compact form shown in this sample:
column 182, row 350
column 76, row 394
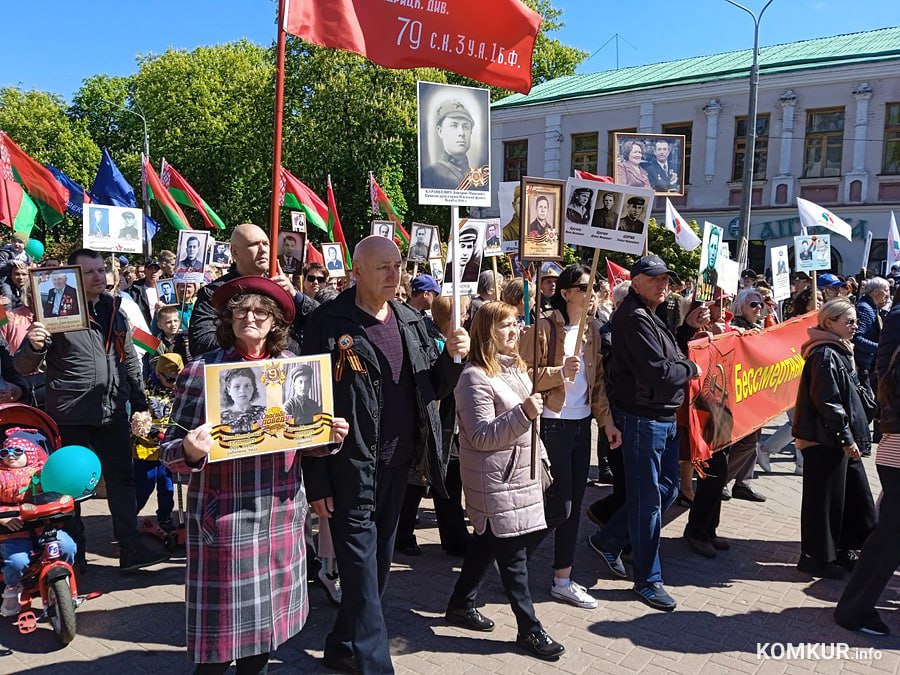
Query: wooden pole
column 582, row 324
column 534, row 370
column 456, row 270
column 815, row 292
column 276, row 150
column 496, row 278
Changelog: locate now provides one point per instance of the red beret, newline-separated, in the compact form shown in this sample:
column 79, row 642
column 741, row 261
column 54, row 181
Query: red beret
column 258, row 286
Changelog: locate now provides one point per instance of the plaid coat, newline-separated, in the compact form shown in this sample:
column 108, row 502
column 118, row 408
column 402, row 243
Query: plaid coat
column 246, row 573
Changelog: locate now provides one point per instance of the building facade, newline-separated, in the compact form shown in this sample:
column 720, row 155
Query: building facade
column 828, row 130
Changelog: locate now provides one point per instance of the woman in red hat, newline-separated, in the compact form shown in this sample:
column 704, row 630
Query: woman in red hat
column 246, row 567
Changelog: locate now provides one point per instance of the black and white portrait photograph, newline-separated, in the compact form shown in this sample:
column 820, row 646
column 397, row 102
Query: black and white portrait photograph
column 334, row 260
column 606, row 210
column 493, row 239
column 420, row 242
column 221, row 256
column 651, row 161
column 243, row 402
column 166, row 289
column 454, row 145
column 291, row 247
column 191, row 255
column 618, row 221
column 302, row 394
column 580, row 204
column 382, row 228
column 298, row 221
column 59, row 298
column 471, row 251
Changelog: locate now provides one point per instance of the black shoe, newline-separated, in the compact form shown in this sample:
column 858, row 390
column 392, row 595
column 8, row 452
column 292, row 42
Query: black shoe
column 701, row 546
column 814, row 568
column 132, row 560
column 613, row 560
column 684, row 500
column 655, row 596
column 411, row 548
column 871, row 624
column 541, row 645
column 342, row 664
column 747, row 493
column 847, row 559
column 726, row 495
column 720, row 544
column 469, row 617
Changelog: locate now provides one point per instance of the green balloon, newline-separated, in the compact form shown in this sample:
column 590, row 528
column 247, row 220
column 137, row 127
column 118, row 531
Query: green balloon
column 72, row 470
column 35, row 249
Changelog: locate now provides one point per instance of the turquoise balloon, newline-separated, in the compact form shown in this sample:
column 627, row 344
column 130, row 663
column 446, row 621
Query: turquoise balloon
column 72, row 470
column 35, row 249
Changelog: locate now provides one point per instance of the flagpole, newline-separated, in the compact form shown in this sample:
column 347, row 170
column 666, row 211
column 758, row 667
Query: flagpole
column 456, row 270
column 582, row 324
column 276, row 141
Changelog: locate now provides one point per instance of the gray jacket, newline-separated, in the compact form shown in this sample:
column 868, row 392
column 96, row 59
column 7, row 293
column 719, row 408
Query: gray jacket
column 495, row 451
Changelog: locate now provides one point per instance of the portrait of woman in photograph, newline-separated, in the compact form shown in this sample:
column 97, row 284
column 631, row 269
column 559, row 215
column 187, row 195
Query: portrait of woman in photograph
column 240, row 397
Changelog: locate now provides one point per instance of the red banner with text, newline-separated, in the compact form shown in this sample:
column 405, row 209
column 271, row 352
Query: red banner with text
column 747, row 380
column 491, row 42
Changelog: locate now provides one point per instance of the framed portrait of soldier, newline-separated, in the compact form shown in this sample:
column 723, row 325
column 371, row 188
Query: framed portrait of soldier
column 541, row 219
column 493, row 238
column 298, row 221
column 651, row 162
column 471, row 251
column 191, row 256
column 221, row 254
column 618, row 220
column 291, row 250
column 436, row 269
column 420, row 243
column 334, row 259
column 382, row 228
column 116, row 229
column 710, row 251
column 58, row 298
column 454, row 145
column 263, row 407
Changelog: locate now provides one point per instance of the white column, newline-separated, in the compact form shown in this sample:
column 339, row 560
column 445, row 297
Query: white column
column 788, row 102
column 645, row 125
column 862, row 94
column 712, row 109
column 553, row 138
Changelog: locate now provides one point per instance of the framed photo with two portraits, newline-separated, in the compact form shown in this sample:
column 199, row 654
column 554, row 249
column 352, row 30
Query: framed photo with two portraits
column 541, row 219
column 58, row 298
column 650, row 161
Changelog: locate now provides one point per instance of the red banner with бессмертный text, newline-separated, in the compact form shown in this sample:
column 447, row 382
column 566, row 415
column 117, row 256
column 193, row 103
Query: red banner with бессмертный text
column 746, row 381
column 491, row 42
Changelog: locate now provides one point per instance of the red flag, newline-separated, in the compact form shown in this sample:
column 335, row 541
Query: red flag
column 51, row 197
column 313, row 255
column 335, row 231
column 491, row 42
column 616, row 274
column 587, row 175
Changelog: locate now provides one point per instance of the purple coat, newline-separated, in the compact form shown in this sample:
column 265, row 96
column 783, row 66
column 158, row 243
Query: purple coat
column 245, row 590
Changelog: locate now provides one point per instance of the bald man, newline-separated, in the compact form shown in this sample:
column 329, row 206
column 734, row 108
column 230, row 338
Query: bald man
column 381, row 354
column 250, row 254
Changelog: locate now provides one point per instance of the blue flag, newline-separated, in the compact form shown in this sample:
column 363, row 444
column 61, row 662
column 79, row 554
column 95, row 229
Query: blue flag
column 110, row 186
column 152, row 226
column 77, row 194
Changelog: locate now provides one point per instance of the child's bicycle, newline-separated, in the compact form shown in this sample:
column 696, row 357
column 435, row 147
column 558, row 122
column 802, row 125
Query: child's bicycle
column 47, row 576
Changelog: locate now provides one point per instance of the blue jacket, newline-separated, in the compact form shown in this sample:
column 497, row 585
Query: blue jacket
column 865, row 342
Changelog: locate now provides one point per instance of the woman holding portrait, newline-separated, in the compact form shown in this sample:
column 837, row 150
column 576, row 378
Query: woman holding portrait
column 495, row 410
column 246, row 570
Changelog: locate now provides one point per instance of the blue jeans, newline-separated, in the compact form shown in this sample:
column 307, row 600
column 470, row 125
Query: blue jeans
column 150, row 475
column 650, row 456
column 16, row 554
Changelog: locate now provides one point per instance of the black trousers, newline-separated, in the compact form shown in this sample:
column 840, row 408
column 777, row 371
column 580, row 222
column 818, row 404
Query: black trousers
column 608, row 505
column 706, row 510
column 406, row 526
column 112, row 444
column 249, row 665
column 880, row 555
column 837, row 512
column 364, row 546
column 451, row 518
column 511, row 554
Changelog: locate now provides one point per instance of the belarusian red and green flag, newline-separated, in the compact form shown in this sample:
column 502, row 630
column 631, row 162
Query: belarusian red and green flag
column 295, row 195
column 4, row 319
column 158, row 192
column 48, row 195
column 380, row 202
column 184, row 194
column 335, row 231
column 144, row 340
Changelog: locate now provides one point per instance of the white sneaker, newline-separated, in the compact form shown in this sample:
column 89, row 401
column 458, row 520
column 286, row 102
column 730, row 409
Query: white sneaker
column 10, row 606
column 332, row 585
column 574, row 594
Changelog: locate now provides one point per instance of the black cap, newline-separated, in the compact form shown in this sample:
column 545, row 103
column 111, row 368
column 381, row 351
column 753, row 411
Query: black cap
column 800, row 275
column 749, row 273
column 637, row 201
column 651, row 265
column 149, row 262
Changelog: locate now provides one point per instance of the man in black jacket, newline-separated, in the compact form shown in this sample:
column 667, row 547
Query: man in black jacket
column 388, row 380
column 649, row 372
column 92, row 375
column 250, row 255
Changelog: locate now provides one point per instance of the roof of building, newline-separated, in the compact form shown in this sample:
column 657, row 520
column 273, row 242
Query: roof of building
column 828, row 52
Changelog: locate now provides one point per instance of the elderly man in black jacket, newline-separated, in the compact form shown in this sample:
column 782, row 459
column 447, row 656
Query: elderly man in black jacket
column 649, row 372
column 388, row 380
column 250, row 255
column 91, row 376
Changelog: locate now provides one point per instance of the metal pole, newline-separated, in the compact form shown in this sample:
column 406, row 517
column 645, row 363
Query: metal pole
column 750, row 144
column 276, row 141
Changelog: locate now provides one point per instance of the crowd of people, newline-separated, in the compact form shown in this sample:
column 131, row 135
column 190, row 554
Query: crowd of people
column 423, row 406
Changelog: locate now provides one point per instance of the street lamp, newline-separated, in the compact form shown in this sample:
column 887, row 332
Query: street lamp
column 143, row 183
column 750, row 145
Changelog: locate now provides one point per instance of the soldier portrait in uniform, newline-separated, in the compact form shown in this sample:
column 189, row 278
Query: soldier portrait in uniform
column 632, row 219
column 420, row 246
column 543, row 212
column 454, row 145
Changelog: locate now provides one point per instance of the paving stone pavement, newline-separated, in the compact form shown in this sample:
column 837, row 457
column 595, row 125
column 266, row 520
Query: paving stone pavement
column 748, row 596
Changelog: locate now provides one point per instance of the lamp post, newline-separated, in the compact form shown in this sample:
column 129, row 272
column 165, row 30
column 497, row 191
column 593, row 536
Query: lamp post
column 750, row 145
column 146, row 154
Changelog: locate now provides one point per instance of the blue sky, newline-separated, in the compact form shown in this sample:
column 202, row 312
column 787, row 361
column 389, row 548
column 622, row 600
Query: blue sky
column 53, row 45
